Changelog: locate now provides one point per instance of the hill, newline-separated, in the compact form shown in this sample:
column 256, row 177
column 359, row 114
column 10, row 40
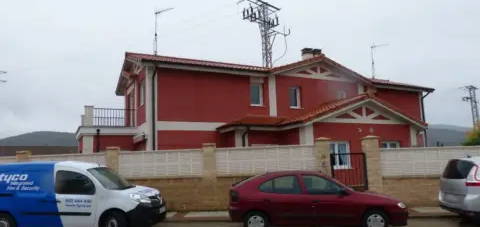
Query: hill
column 43, row 138
column 448, row 135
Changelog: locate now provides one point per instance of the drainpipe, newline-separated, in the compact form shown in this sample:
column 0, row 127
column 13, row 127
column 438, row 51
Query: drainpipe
column 98, row 140
column 244, row 137
column 423, row 117
column 154, row 94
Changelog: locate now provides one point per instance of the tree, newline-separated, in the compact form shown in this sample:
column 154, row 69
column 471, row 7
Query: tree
column 473, row 137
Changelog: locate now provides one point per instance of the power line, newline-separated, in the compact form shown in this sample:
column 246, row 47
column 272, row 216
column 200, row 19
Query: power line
column 265, row 15
column 472, row 98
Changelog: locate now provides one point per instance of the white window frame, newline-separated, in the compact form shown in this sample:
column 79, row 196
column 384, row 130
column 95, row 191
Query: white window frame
column 142, row 93
column 348, row 165
column 297, row 89
column 389, row 143
column 260, row 85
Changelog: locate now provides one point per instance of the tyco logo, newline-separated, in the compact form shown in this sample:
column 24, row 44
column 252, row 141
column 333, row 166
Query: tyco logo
column 7, row 178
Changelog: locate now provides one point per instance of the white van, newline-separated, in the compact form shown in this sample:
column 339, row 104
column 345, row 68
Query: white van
column 74, row 194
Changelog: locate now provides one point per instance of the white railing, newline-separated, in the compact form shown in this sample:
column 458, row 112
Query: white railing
column 421, row 161
column 255, row 160
column 175, row 163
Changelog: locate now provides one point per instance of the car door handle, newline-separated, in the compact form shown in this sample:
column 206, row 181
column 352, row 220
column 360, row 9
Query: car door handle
column 316, row 201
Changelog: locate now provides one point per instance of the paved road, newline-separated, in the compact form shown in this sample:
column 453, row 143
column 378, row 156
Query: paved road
column 440, row 222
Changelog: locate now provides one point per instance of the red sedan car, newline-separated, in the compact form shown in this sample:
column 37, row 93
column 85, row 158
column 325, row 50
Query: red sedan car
column 310, row 198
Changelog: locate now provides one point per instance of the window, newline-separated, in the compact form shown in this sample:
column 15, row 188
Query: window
column 109, row 179
column 457, row 169
column 341, row 157
column 142, row 93
column 341, row 94
column 318, row 185
column 281, row 185
column 294, row 94
column 390, row 144
column 256, row 94
column 73, row 183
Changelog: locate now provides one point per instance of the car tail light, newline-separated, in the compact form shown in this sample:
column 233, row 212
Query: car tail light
column 234, row 196
column 473, row 178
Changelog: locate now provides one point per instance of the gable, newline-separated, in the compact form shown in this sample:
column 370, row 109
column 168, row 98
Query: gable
column 319, row 71
column 365, row 114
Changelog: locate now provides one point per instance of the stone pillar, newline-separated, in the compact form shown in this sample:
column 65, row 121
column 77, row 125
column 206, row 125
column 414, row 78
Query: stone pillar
column 322, row 154
column 87, row 118
column 371, row 148
column 23, row 156
column 112, row 158
column 209, row 162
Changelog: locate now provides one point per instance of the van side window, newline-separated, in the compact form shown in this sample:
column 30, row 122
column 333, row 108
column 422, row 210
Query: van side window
column 73, row 183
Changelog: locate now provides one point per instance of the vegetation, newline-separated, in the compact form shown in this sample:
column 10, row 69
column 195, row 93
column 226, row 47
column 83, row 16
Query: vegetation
column 473, row 137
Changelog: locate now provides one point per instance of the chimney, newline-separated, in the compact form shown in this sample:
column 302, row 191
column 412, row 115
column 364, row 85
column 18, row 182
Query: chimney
column 308, row 53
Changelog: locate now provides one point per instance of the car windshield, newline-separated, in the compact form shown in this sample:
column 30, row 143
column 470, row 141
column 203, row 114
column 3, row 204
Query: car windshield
column 109, row 179
column 457, row 169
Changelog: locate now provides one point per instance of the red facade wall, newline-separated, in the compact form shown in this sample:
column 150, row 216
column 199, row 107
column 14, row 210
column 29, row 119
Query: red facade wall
column 124, row 142
column 353, row 133
column 205, row 97
column 226, row 139
column 313, row 93
column 287, row 137
column 184, row 139
column 80, row 145
column 407, row 101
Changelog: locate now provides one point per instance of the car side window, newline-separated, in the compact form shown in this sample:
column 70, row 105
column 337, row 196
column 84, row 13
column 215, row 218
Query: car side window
column 281, row 185
column 72, row 183
column 316, row 185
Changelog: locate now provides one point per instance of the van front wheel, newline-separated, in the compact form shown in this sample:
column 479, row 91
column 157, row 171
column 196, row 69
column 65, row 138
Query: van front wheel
column 114, row 219
column 6, row 221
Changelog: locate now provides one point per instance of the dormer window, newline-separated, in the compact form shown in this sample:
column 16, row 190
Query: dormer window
column 294, row 95
column 256, row 94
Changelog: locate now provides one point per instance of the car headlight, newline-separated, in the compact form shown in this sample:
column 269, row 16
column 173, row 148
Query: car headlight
column 140, row 198
column 402, row 205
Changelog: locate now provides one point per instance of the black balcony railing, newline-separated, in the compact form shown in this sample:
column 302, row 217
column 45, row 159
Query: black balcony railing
column 113, row 117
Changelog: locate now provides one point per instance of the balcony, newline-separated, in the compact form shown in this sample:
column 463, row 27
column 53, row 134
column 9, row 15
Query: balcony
column 108, row 117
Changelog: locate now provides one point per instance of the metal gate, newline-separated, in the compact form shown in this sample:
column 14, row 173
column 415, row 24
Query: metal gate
column 350, row 169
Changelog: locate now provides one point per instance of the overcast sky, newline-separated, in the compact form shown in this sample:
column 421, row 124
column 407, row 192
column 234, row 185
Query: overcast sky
column 62, row 55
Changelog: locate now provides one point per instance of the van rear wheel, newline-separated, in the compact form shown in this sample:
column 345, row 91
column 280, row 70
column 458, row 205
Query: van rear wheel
column 114, row 219
column 6, row 221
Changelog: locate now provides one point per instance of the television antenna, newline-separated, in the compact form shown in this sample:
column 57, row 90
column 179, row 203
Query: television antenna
column 472, row 98
column 155, row 41
column 372, row 52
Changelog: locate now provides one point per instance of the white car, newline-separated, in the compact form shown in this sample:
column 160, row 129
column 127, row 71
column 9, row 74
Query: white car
column 74, row 194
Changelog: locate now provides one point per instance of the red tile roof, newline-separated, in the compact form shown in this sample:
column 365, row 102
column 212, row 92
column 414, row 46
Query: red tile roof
column 319, row 111
column 186, row 61
column 259, row 69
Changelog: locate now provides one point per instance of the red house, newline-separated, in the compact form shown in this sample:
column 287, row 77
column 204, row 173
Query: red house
column 177, row 103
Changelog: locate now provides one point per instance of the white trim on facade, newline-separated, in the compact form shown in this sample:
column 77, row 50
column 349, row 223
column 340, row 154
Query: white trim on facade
column 413, row 137
column 187, row 126
column 238, row 137
column 148, row 106
column 306, row 135
column 360, row 88
column 87, row 145
column 92, row 131
column 272, row 95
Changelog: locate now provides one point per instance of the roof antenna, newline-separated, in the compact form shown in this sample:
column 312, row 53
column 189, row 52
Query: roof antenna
column 155, row 42
column 372, row 50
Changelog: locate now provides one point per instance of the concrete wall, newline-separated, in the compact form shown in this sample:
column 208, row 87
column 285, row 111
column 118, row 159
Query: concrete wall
column 414, row 191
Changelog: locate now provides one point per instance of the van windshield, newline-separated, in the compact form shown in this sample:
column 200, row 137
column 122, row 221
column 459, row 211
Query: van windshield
column 457, row 169
column 109, row 179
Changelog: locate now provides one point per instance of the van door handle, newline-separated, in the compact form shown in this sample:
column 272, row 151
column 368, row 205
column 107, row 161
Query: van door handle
column 50, row 201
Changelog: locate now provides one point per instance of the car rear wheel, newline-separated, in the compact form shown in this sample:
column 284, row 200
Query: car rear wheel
column 6, row 221
column 256, row 219
column 114, row 219
column 375, row 218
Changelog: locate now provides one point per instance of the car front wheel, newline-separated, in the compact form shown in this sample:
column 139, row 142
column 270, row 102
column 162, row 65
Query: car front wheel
column 375, row 219
column 256, row 219
column 114, row 219
column 6, row 221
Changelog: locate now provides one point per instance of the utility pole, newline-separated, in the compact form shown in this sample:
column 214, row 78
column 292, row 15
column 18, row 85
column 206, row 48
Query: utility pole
column 155, row 40
column 472, row 98
column 265, row 15
column 3, row 72
column 372, row 52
